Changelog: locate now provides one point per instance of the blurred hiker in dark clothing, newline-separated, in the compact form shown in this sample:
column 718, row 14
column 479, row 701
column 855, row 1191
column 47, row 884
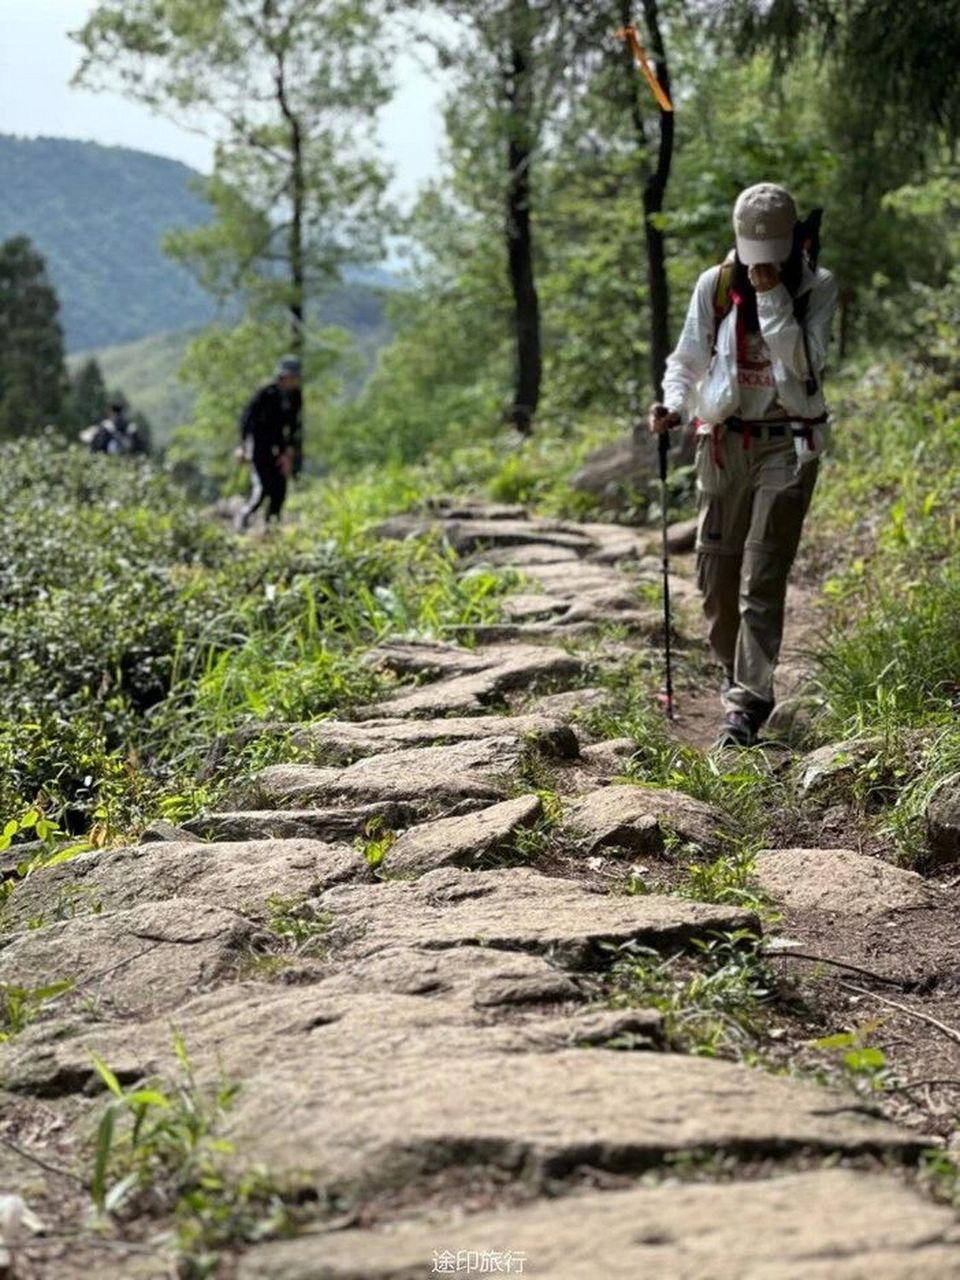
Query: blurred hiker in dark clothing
column 116, row 434
column 270, row 429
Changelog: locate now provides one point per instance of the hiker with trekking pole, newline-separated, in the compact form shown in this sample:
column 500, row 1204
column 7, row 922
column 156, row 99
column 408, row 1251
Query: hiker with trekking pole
column 747, row 376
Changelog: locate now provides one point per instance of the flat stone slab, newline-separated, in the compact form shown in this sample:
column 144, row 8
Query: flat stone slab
column 832, row 767
column 518, row 910
column 416, row 525
column 458, row 1091
column 838, row 880
column 616, row 542
column 480, row 978
column 468, row 841
column 568, row 581
column 598, row 608
column 151, row 957
column 549, row 630
column 332, row 825
column 163, row 831
column 497, row 670
column 476, row 509
column 609, row 758
column 520, row 556
column 571, row 705
column 466, row 536
column 825, row 1225
column 236, row 876
column 342, row 741
column 427, row 658
column 522, row 607
column 647, row 820
column 424, row 776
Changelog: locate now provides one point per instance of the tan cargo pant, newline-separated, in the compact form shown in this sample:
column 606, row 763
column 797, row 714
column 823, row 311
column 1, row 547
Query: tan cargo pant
column 752, row 502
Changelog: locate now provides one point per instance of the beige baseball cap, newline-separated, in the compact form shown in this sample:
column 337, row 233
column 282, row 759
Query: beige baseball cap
column 763, row 220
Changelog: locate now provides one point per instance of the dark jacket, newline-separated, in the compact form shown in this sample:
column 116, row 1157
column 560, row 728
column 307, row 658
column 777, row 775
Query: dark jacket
column 117, row 435
column 271, row 423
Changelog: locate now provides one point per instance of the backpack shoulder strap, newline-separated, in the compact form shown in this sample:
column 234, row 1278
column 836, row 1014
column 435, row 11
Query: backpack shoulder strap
column 722, row 300
column 723, row 293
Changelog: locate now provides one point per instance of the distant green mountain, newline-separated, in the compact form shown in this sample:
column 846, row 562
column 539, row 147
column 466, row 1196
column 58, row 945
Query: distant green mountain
column 146, row 370
column 98, row 215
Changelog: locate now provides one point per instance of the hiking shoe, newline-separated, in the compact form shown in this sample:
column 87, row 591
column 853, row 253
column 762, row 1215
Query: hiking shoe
column 739, row 729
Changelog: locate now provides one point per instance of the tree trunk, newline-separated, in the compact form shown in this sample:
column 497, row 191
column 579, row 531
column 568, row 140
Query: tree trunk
column 518, row 224
column 295, row 248
column 653, row 195
column 633, row 86
column 844, row 338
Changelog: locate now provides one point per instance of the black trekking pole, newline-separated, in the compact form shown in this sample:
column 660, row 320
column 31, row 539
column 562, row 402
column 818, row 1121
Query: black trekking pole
column 666, row 697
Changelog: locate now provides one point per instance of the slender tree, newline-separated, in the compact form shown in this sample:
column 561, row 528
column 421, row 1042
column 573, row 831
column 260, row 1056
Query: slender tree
column 614, row 108
column 654, row 193
column 32, row 375
column 518, row 91
column 510, row 58
column 288, row 90
column 88, row 395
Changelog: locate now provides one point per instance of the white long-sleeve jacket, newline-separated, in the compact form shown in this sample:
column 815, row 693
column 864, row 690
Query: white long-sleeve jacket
column 699, row 384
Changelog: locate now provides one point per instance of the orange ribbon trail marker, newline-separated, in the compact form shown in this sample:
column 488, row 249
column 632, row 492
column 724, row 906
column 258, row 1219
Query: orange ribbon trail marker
column 630, row 35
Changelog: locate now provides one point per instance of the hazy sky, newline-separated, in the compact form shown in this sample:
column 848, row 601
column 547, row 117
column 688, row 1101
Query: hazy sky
column 37, row 60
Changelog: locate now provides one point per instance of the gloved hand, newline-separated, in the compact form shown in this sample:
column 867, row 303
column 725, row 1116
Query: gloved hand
column 661, row 419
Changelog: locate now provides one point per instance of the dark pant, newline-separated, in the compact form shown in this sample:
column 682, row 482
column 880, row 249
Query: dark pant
column 753, row 497
column 270, row 484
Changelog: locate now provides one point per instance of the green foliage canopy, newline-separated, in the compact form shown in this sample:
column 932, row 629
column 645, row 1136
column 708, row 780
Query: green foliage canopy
column 32, row 373
column 288, row 89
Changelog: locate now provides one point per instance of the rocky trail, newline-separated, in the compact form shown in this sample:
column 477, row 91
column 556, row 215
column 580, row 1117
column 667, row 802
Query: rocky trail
column 451, row 1036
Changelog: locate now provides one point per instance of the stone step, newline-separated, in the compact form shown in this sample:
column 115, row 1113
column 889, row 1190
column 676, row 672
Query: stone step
column 477, row 679
column 646, row 820
column 453, row 1091
column 149, row 958
column 823, row 1225
column 469, row 841
column 520, row 910
column 332, row 825
column 239, row 877
column 344, row 741
column 428, row 778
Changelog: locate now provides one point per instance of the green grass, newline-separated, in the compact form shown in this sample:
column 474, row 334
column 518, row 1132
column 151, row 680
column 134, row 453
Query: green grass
column 161, row 1148
column 135, row 630
column 884, row 530
column 713, row 1000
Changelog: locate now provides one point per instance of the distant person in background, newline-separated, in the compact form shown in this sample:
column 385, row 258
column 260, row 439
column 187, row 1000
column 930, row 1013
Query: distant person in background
column 116, row 434
column 270, row 429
